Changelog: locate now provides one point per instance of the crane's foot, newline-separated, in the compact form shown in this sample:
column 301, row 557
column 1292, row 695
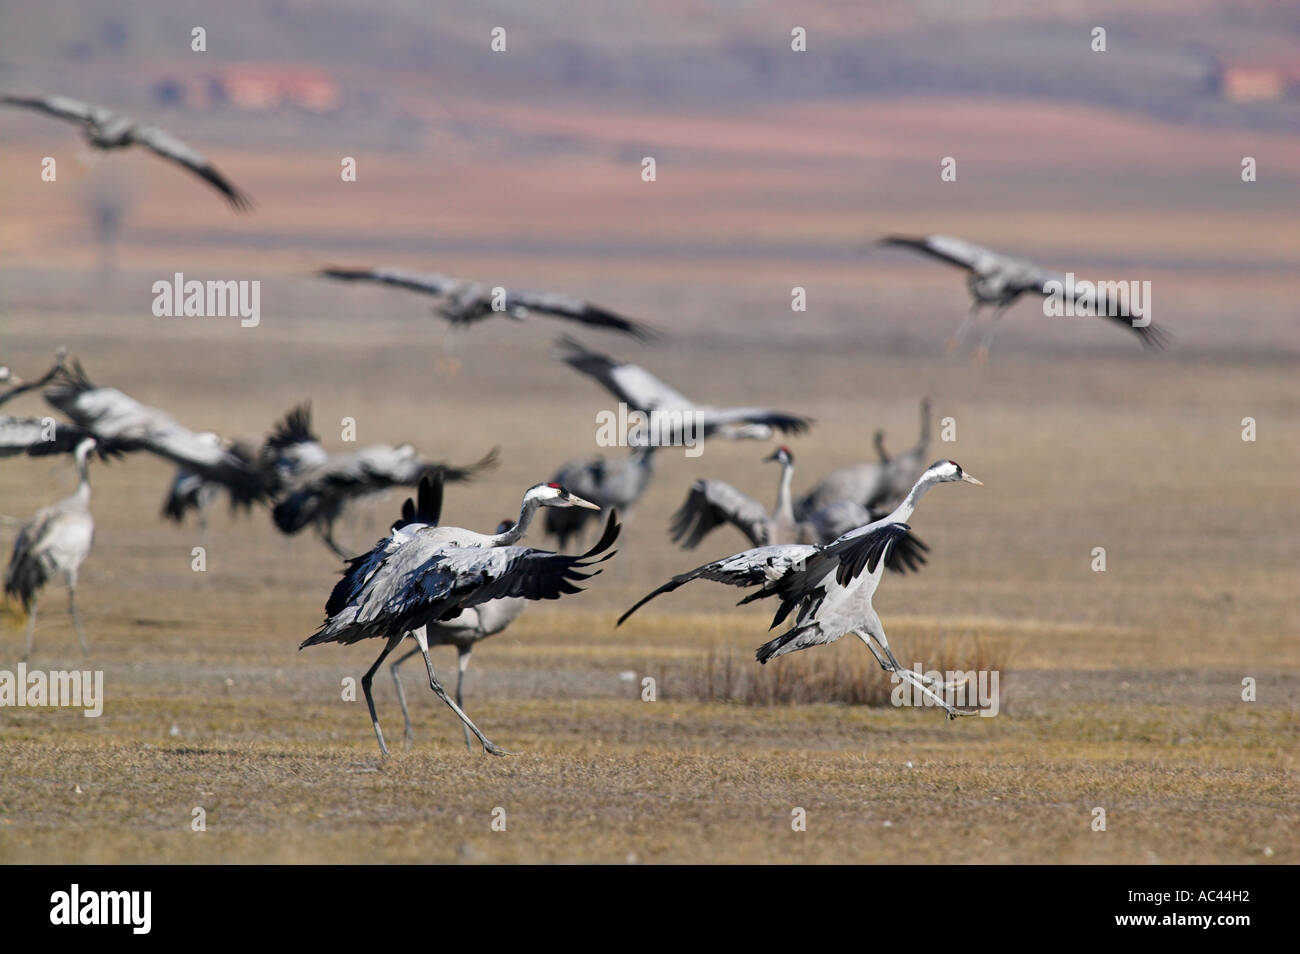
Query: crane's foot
column 448, row 366
column 981, row 355
column 492, row 749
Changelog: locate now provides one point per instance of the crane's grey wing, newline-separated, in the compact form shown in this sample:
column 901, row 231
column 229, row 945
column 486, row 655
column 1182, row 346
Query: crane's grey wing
column 717, row 418
column 711, row 503
column 123, row 423
column 39, row 437
column 845, row 559
column 382, row 465
column 231, row 467
column 168, row 146
column 63, row 107
column 574, row 309
column 1100, row 305
column 430, row 283
column 468, row 472
column 371, row 597
column 760, row 566
column 955, row 251
column 630, row 383
column 107, row 413
column 36, row 436
column 22, row 435
column 461, row 577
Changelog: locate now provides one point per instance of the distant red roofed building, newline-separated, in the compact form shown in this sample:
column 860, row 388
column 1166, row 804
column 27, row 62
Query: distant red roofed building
column 1245, row 81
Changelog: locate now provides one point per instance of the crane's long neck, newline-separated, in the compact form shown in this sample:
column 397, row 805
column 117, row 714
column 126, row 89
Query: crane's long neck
column 516, row 533
column 83, row 479
column 924, row 441
column 903, row 512
column 784, row 512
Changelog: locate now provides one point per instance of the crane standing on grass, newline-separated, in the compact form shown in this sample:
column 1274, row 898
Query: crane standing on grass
column 55, row 542
column 422, row 575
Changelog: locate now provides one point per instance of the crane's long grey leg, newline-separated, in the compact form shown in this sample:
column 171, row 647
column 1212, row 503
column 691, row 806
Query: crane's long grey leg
column 877, row 634
column 76, row 617
column 365, row 686
column 956, row 339
column 408, row 735
column 982, row 352
column 31, row 628
column 462, row 663
column 890, row 664
column 436, row 686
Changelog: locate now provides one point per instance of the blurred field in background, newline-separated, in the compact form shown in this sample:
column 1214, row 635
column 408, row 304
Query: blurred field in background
column 1124, row 687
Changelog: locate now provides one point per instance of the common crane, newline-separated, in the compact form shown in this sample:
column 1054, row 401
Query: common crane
column 287, row 451
column 317, row 496
column 464, row 631
column 830, row 585
column 105, row 129
column 998, row 280
column 614, row 484
column 422, row 574
column 54, row 543
column 290, row 450
column 873, row 482
column 189, row 491
column 123, row 424
column 467, row 302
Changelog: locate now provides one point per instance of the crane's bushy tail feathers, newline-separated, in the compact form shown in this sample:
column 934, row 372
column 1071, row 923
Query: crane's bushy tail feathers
column 429, row 509
column 779, row 646
column 294, row 512
column 24, row 579
column 467, row 473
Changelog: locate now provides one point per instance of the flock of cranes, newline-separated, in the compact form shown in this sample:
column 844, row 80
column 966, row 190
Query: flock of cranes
column 821, row 555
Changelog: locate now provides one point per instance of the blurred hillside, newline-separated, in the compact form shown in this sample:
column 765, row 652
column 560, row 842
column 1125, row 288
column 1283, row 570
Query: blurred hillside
column 774, row 167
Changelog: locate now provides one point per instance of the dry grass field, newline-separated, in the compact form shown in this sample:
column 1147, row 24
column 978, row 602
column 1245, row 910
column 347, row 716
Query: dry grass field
column 1120, row 689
